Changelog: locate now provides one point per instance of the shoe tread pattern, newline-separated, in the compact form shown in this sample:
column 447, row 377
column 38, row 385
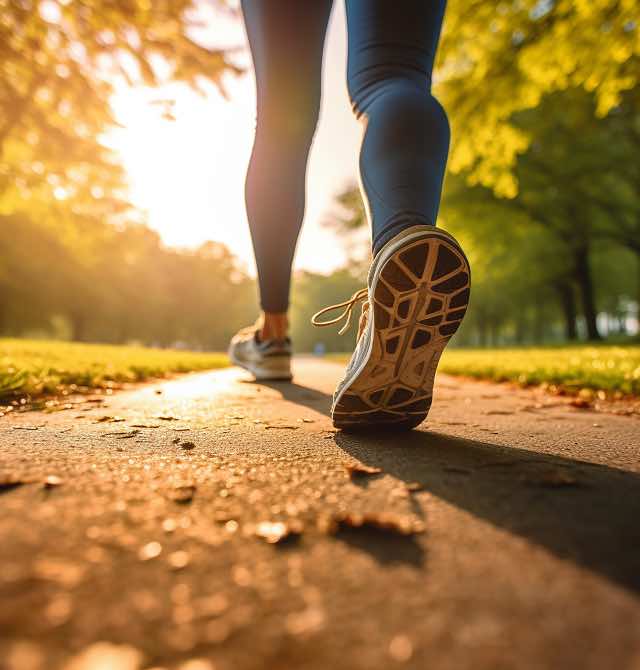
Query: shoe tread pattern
column 419, row 301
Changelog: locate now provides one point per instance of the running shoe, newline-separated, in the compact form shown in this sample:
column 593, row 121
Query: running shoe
column 418, row 292
column 265, row 360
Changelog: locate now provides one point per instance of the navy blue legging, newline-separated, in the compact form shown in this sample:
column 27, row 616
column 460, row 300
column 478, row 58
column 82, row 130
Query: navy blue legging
column 392, row 46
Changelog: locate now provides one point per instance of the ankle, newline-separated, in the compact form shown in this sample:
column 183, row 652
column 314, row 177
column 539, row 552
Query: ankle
column 274, row 326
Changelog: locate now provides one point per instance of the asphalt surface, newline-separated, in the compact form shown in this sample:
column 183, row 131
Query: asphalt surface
column 212, row 523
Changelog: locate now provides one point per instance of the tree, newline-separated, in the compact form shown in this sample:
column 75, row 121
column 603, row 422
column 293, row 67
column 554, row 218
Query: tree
column 497, row 59
column 58, row 65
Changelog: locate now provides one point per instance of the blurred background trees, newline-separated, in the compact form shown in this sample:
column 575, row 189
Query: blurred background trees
column 543, row 186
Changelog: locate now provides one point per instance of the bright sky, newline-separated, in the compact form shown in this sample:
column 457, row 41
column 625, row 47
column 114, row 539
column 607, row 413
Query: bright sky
column 188, row 174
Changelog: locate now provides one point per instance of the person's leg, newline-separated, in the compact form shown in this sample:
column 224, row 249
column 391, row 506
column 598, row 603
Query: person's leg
column 287, row 40
column 392, row 48
column 418, row 285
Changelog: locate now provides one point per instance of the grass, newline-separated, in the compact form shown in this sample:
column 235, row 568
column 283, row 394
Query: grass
column 40, row 367
column 611, row 369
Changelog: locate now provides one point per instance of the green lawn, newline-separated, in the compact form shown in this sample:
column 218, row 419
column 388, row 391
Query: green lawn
column 40, row 367
column 599, row 368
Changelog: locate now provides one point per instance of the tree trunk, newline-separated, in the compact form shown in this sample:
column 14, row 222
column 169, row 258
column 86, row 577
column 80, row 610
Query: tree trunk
column 520, row 329
column 538, row 321
column 78, row 327
column 569, row 311
column 482, row 329
column 584, row 281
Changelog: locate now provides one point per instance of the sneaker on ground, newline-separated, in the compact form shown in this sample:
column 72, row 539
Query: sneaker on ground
column 265, row 360
column 418, row 292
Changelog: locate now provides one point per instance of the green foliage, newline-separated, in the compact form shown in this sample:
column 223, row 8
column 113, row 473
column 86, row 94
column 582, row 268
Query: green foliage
column 546, row 261
column 118, row 284
column 59, row 62
column 497, row 59
column 39, row 367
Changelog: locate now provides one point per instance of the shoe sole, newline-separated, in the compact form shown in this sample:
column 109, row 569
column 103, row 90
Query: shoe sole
column 275, row 370
column 419, row 298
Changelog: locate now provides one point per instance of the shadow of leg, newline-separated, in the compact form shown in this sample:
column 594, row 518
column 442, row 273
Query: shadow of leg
column 580, row 511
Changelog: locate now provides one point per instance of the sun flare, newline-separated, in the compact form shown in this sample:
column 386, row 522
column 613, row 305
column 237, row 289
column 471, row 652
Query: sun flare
column 186, row 161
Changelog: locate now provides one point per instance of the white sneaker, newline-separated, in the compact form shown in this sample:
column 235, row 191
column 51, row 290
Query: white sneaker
column 268, row 359
column 418, row 292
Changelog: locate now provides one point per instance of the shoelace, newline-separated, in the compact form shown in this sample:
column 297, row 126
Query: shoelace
column 358, row 296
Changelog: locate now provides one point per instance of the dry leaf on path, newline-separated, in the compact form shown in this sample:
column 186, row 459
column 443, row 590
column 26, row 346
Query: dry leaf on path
column 50, row 481
column 361, row 470
column 274, row 532
column 110, row 419
column 404, row 525
column 581, row 403
column 183, row 494
column 122, row 434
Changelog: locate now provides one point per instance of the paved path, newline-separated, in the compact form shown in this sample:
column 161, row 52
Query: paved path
column 514, row 538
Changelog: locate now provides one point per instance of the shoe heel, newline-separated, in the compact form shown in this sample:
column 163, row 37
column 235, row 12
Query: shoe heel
column 273, row 368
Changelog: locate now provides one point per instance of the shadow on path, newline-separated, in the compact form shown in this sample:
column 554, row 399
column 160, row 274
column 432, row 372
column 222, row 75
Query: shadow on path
column 301, row 395
column 582, row 512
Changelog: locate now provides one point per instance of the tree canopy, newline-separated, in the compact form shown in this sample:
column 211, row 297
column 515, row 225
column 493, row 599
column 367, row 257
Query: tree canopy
column 497, row 59
column 59, row 62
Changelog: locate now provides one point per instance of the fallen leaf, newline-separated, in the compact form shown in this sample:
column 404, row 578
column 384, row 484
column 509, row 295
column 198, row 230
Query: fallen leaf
column 122, row 434
column 145, row 425
column 360, row 470
column 499, row 411
column 187, row 445
column 110, row 419
column 27, row 427
column 166, row 417
column 284, row 426
column 274, row 532
column 403, row 525
column 51, row 481
column 183, row 494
